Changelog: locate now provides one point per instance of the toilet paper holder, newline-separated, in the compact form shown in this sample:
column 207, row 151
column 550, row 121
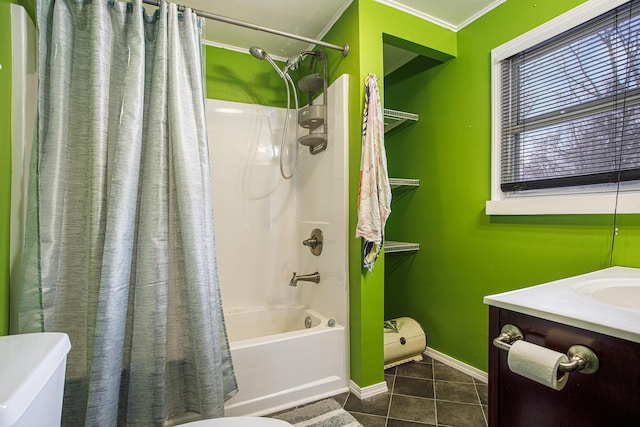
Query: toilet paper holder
column 581, row 358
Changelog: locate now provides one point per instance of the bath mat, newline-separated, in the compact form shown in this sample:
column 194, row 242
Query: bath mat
column 325, row 413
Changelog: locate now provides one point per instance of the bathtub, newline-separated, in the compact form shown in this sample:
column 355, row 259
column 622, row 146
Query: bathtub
column 280, row 363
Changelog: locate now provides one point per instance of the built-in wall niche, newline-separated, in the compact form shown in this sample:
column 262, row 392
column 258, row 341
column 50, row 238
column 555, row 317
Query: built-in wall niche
column 403, row 58
column 395, row 57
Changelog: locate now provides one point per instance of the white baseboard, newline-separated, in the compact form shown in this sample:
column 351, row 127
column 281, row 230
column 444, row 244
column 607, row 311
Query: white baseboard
column 372, row 390
column 369, row 391
column 455, row 363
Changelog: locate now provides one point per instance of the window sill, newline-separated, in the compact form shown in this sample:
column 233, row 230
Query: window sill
column 567, row 204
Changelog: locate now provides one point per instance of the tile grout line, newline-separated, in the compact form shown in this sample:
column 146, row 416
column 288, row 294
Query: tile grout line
column 435, row 398
column 475, row 385
column 439, row 400
column 393, row 385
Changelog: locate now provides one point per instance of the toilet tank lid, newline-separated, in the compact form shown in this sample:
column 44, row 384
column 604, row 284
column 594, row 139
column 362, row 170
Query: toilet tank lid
column 27, row 361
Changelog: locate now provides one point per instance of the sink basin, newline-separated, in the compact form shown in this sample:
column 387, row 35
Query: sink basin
column 623, row 296
column 621, row 292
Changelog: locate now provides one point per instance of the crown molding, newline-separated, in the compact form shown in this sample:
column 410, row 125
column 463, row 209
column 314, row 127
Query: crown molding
column 437, row 21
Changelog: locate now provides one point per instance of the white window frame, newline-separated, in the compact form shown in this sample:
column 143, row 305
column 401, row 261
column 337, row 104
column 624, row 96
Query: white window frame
column 596, row 200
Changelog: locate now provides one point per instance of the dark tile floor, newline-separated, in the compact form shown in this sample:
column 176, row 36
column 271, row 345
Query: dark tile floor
column 426, row 393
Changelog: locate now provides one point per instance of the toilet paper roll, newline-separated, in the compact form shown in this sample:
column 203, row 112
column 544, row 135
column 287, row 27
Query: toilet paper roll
column 537, row 363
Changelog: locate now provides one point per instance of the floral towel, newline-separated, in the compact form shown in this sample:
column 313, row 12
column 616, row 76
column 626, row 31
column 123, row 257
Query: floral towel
column 374, row 196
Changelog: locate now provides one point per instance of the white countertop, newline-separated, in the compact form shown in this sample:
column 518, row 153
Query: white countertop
column 559, row 301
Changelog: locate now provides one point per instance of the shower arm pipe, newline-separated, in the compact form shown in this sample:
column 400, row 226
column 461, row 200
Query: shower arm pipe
column 344, row 49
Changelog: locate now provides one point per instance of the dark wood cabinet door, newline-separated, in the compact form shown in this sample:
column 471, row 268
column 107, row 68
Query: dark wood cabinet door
column 609, row 397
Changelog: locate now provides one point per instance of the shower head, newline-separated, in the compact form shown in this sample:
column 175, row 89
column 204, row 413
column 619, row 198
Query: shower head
column 261, row 54
column 257, row 52
column 311, row 83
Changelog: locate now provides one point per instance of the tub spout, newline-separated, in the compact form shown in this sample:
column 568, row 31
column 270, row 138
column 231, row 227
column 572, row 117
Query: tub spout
column 313, row 277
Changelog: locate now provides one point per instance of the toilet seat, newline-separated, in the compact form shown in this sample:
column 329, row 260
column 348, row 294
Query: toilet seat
column 238, row 422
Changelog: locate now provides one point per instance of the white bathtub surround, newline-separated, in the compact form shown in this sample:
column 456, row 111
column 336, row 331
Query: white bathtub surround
column 246, row 325
column 261, row 220
column 286, row 369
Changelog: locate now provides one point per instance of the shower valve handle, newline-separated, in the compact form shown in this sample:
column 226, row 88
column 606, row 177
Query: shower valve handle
column 314, row 242
column 311, row 242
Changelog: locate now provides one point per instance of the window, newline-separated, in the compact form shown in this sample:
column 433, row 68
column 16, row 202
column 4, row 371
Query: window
column 566, row 111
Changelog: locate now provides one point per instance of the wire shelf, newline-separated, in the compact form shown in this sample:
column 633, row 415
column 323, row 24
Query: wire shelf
column 403, row 182
column 394, row 119
column 391, row 246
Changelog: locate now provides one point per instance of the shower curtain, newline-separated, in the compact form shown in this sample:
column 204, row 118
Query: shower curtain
column 119, row 248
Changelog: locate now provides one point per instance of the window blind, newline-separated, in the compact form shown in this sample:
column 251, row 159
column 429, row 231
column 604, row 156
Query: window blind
column 570, row 107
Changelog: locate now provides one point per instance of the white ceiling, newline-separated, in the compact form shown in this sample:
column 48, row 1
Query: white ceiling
column 313, row 18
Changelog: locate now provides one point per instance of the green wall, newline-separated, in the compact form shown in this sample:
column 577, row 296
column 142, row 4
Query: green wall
column 464, row 253
column 5, row 161
column 236, row 76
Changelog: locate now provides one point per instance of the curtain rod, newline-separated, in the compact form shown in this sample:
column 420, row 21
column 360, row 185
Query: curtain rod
column 344, row 49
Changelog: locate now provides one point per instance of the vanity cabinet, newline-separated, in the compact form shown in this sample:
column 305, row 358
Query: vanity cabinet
column 608, row 397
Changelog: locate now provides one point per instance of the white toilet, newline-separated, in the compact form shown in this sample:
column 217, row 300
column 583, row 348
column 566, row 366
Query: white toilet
column 32, row 368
